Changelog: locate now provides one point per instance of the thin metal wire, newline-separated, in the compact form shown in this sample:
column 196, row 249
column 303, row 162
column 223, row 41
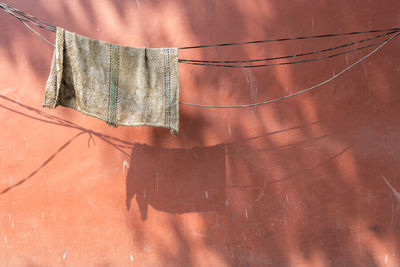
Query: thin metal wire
column 26, row 17
column 245, row 66
column 31, row 19
column 286, row 63
column 302, row 91
column 263, row 65
column 289, row 39
column 39, row 23
column 289, row 56
column 50, row 43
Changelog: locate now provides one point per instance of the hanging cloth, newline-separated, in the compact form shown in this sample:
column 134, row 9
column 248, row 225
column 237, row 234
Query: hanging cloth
column 121, row 85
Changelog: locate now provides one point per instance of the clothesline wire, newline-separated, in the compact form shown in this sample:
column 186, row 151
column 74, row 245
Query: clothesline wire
column 287, row 63
column 289, row 56
column 31, row 19
column 263, row 65
column 290, row 39
column 44, row 25
column 43, row 38
column 302, row 91
column 21, row 16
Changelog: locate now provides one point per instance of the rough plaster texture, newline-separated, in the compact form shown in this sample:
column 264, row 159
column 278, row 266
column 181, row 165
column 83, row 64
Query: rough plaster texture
column 295, row 183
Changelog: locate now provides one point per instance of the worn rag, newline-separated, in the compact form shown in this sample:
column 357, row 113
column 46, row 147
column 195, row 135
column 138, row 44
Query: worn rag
column 118, row 84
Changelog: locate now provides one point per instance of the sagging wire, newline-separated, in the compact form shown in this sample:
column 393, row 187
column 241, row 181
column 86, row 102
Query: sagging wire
column 302, row 91
column 25, row 18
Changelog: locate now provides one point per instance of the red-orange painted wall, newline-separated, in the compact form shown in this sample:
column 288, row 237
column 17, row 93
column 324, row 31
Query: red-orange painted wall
column 299, row 182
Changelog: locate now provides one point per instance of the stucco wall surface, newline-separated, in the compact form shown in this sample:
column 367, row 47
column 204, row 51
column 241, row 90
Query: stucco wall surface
column 308, row 181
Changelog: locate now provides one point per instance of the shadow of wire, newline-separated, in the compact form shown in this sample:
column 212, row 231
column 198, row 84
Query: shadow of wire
column 117, row 143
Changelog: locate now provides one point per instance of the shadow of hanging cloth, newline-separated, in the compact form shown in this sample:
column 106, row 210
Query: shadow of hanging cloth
column 177, row 180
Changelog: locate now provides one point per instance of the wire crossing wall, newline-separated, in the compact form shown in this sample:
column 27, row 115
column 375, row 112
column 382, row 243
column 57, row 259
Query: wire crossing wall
column 312, row 180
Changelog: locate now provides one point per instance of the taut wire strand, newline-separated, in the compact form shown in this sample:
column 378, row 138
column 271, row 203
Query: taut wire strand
column 286, row 63
column 289, row 39
column 22, row 17
column 44, row 39
column 289, row 56
column 302, row 91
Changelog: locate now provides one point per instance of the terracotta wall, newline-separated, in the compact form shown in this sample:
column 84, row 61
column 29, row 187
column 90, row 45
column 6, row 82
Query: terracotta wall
column 298, row 182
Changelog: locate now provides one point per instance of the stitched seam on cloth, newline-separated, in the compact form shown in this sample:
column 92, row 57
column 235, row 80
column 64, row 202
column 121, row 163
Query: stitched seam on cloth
column 116, row 85
column 152, row 91
column 112, row 100
column 56, row 83
column 59, row 54
column 165, row 90
column 109, row 84
column 169, row 89
column 113, row 84
column 55, row 89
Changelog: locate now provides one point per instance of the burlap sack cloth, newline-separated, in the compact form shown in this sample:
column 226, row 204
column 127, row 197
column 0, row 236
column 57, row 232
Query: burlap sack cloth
column 120, row 85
